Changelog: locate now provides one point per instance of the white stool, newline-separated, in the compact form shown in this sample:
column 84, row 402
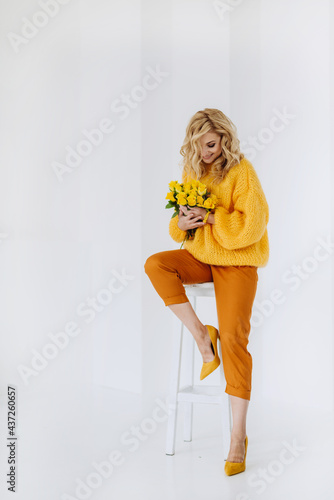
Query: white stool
column 191, row 393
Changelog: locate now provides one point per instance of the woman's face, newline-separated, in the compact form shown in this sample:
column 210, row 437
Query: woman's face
column 210, row 147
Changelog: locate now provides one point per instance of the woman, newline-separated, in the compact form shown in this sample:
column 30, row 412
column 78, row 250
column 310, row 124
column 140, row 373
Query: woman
column 227, row 248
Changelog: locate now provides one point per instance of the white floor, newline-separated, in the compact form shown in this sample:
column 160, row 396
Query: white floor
column 63, row 434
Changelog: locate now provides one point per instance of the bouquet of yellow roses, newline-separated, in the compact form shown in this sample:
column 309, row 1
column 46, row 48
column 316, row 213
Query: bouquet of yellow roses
column 190, row 194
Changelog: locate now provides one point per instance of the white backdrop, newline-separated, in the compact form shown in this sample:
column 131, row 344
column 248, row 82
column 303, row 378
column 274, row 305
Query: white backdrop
column 95, row 99
column 276, row 89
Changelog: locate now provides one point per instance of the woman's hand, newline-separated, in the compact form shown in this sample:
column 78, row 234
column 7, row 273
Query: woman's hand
column 196, row 211
column 188, row 220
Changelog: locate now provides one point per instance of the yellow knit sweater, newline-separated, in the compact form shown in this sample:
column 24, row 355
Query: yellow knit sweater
column 239, row 236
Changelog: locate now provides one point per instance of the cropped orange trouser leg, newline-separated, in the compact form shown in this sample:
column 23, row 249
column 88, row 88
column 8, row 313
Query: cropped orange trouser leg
column 235, row 289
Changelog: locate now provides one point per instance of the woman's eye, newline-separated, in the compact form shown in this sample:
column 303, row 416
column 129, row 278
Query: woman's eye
column 211, row 145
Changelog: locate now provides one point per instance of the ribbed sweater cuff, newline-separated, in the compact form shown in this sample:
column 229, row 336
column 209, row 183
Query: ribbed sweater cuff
column 175, row 232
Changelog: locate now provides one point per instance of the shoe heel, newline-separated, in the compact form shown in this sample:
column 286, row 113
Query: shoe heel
column 232, row 468
column 208, row 368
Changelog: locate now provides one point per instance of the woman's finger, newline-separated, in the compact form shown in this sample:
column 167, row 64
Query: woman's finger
column 198, row 222
column 194, row 214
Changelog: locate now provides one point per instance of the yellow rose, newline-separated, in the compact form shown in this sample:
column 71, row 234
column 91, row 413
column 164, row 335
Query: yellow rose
column 191, row 200
column 170, row 197
column 200, row 201
column 175, row 186
column 208, row 204
column 181, row 199
column 201, row 189
column 187, row 188
column 172, row 184
column 194, row 184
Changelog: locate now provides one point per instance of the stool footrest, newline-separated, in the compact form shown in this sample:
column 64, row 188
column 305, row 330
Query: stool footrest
column 200, row 394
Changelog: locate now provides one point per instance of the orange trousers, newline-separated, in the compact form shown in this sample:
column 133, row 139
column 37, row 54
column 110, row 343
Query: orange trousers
column 235, row 289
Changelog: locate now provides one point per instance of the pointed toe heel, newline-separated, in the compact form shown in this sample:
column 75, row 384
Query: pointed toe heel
column 208, row 368
column 232, row 468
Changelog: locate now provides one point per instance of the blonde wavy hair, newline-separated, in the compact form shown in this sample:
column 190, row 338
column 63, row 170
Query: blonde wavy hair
column 210, row 120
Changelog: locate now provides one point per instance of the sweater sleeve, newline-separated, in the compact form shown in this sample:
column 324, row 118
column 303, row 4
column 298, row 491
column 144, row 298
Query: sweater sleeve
column 246, row 224
column 175, row 232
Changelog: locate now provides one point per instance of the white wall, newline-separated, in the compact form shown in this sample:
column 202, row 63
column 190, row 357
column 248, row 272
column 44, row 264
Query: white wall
column 64, row 239
column 251, row 63
column 295, row 167
column 67, row 233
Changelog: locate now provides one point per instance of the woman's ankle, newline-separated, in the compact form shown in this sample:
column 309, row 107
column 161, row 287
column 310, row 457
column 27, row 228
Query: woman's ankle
column 238, row 435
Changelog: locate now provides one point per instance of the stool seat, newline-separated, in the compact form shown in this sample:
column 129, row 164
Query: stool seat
column 183, row 352
column 206, row 289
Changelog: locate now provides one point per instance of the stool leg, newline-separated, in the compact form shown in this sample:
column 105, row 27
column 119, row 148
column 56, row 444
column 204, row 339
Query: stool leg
column 226, row 410
column 188, row 357
column 173, row 392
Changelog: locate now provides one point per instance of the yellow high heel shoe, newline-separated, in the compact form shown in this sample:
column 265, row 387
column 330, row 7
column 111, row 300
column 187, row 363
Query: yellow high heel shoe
column 208, row 368
column 236, row 467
